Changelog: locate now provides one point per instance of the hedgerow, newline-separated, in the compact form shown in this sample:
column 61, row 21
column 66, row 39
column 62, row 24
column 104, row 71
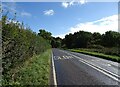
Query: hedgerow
column 18, row 44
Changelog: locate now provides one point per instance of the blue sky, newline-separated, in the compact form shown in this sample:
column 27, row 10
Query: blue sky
column 62, row 18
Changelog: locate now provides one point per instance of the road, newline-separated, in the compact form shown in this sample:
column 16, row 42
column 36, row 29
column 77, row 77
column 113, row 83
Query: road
column 79, row 69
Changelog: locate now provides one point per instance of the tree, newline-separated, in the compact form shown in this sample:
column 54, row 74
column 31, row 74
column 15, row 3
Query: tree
column 45, row 34
column 83, row 39
column 79, row 39
column 56, row 42
column 96, row 38
column 69, row 41
column 110, row 39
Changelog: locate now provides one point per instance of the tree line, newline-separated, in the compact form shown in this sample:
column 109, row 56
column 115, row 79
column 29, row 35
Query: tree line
column 107, row 43
column 83, row 39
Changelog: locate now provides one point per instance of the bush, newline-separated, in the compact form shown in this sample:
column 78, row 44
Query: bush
column 96, row 46
column 18, row 44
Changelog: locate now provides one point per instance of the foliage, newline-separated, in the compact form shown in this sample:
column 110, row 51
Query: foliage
column 111, row 39
column 78, row 39
column 99, row 49
column 96, row 38
column 83, row 39
column 45, row 34
column 101, row 55
column 35, row 71
column 18, row 44
column 56, row 42
column 68, row 41
column 105, row 44
column 96, row 46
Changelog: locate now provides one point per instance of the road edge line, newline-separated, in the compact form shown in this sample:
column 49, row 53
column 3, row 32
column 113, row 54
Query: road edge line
column 54, row 74
column 105, row 73
column 113, row 74
column 97, row 68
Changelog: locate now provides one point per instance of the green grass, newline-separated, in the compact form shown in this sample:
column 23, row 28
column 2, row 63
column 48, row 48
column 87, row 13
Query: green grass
column 114, row 51
column 101, row 55
column 35, row 71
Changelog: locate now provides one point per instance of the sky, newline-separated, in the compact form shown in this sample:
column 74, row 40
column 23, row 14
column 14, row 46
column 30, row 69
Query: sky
column 61, row 18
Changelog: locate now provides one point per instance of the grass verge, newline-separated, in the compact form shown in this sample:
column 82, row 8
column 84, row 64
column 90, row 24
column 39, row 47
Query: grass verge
column 101, row 55
column 35, row 71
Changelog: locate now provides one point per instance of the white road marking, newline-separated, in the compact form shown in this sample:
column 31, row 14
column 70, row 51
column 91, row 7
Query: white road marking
column 71, row 57
column 101, row 71
column 112, row 75
column 54, row 58
column 109, row 64
column 97, row 60
column 106, row 64
column 67, row 57
column 59, row 57
column 92, row 60
column 103, row 64
column 64, row 57
column 54, row 74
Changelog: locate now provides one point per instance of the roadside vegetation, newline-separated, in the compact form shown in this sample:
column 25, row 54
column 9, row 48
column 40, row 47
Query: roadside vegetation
column 20, row 45
column 101, row 45
column 34, row 71
column 105, row 45
column 97, row 54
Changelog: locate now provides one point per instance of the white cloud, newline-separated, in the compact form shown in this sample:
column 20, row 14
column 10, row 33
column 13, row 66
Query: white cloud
column 49, row 12
column 73, row 2
column 25, row 14
column 83, row 1
column 101, row 26
column 65, row 4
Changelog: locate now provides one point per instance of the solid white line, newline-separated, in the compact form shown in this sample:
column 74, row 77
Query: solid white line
column 54, row 74
column 97, row 68
column 101, row 71
column 100, row 68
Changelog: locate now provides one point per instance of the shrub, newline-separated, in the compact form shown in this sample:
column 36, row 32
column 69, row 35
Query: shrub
column 96, row 46
column 18, row 44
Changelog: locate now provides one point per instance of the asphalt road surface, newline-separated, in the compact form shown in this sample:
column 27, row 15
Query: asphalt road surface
column 79, row 69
